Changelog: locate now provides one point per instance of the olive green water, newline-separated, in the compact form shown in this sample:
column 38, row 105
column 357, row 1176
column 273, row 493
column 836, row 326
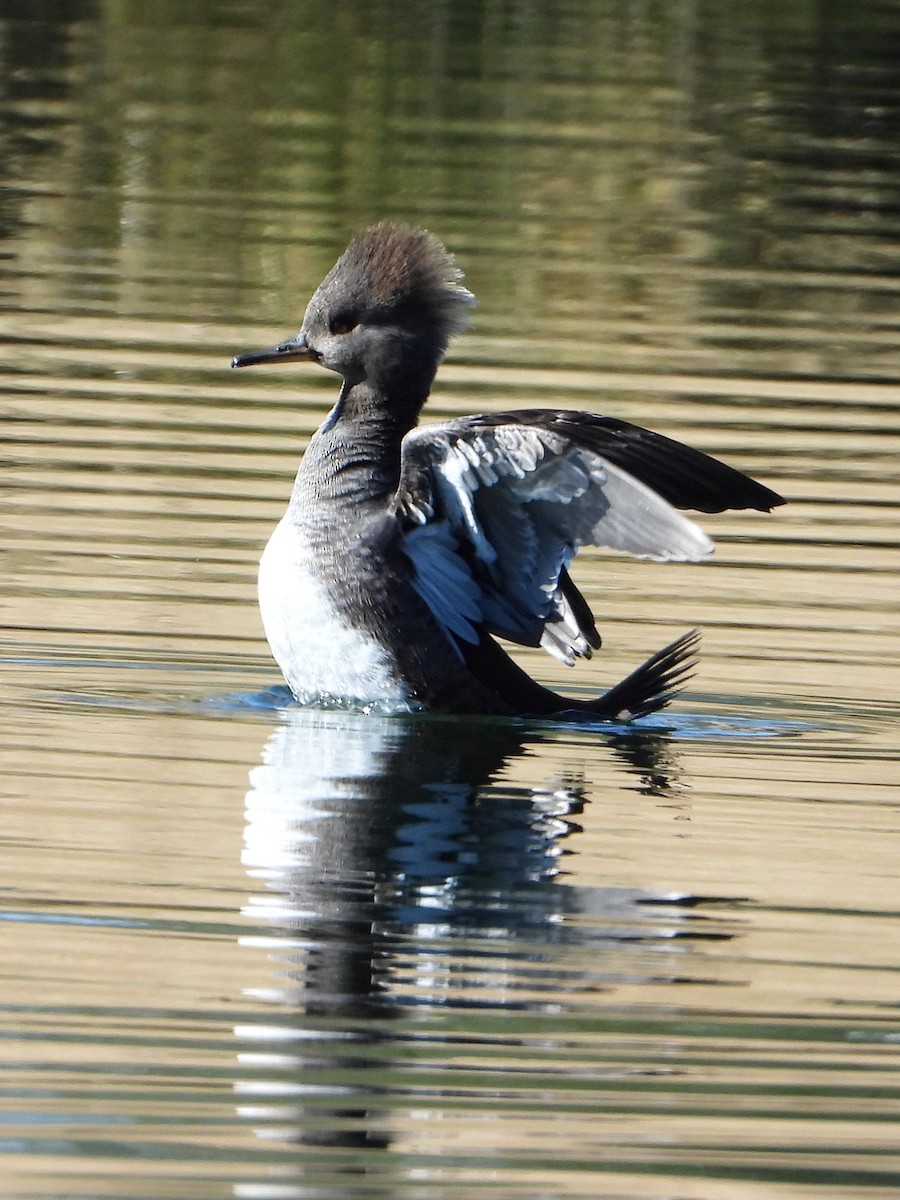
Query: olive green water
column 263, row 954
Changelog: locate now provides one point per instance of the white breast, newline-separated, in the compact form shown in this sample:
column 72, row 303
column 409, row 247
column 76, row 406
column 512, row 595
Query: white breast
column 321, row 655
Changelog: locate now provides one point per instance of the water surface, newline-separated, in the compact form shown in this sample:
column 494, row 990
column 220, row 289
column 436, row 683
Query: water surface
column 253, row 951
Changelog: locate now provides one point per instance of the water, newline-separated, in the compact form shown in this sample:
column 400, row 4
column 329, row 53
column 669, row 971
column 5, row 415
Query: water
column 429, row 957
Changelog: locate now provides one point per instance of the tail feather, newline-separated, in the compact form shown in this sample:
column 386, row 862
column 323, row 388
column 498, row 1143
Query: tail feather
column 653, row 685
column 506, row 688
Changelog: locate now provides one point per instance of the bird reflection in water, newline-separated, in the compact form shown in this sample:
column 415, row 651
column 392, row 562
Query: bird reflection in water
column 405, row 878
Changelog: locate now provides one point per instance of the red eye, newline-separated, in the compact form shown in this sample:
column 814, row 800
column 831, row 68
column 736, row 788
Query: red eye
column 342, row 325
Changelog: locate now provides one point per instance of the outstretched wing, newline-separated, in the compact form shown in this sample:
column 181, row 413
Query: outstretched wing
column 494, row 508
column 687, row 478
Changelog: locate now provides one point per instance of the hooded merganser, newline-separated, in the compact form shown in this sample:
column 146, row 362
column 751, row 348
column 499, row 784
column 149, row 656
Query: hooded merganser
column 404, row 551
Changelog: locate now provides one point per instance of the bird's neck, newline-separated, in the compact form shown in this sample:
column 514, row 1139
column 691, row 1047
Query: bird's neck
column 354, row 457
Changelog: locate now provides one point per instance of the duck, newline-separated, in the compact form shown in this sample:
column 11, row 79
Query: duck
column 407, row 550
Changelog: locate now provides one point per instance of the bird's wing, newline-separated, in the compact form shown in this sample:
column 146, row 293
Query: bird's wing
column 493, row 509
column 687, row 478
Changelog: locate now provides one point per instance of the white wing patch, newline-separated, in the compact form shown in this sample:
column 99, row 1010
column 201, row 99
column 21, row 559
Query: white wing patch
column 499, row 514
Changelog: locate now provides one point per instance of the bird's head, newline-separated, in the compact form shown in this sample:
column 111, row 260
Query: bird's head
column 384, row 314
